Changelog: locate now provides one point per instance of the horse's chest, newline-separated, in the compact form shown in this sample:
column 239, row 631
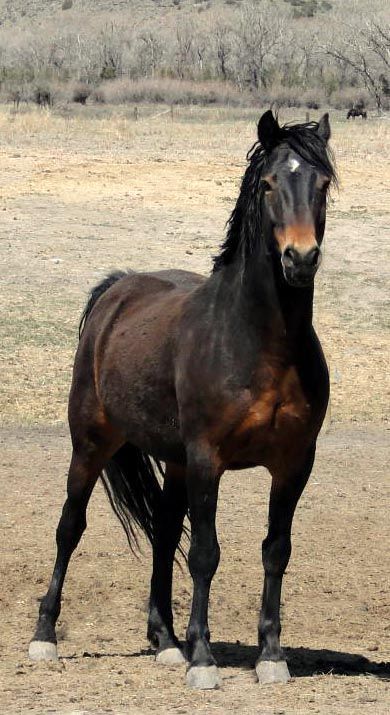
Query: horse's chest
column 278, row 417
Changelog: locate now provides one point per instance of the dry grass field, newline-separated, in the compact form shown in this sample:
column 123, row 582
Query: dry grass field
column 80, row 195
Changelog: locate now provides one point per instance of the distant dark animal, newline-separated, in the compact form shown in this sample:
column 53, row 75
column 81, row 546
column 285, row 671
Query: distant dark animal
column 16, row 97
column 43, row 98
column 206, row 374
column 356, row 112
column 81, row 93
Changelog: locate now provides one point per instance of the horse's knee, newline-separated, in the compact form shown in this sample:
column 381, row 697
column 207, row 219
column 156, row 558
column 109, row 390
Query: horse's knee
column 203, row 559
column 276, row 553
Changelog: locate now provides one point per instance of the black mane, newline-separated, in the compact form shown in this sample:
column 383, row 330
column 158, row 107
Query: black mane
column 244, row 225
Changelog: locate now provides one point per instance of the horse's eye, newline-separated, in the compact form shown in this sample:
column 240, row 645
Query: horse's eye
column 325, row 185
column 265, row 185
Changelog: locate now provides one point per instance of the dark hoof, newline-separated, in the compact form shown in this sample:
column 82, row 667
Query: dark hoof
column 203, row 677
column 270, row 671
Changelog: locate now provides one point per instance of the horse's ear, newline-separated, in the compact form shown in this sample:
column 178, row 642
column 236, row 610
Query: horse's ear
column 324, row 128
column 268, row 131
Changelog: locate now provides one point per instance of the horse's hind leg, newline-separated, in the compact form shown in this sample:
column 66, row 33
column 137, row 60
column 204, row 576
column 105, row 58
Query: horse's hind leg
column 168, row 529
column 88, row 460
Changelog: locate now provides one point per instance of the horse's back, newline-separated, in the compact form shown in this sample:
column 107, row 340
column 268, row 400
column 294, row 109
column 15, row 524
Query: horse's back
column 187, row 280
column 139, row 313
column 168, row 278
column 134, row 291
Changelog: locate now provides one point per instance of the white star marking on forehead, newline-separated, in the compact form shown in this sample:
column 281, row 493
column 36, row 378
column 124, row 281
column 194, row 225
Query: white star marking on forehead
column 293, row 164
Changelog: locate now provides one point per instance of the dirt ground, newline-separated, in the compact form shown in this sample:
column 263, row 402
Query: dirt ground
column 82, row 194
column 335, row 603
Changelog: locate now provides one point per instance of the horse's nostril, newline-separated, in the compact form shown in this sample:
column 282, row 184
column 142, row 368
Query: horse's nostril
column 289, row 255
column 313, row 256
column 292, row 258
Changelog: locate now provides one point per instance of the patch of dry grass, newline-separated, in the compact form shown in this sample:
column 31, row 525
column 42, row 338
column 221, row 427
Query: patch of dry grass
column 83, row 193
column 172, row 91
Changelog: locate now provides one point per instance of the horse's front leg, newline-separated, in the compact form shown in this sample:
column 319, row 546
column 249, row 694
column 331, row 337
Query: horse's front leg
column 271, row 666
column 202, row 485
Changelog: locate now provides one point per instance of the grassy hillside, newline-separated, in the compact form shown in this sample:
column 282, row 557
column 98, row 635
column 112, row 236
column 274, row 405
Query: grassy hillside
column 20, row 12
column 288, row 52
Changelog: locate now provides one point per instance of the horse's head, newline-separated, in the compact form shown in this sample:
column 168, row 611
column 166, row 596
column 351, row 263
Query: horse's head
column 295, row 178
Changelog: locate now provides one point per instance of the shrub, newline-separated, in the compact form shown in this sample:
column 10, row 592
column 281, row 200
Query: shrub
column 15, row 96
column 294, row 97
column 313, row 98
column 309, row 8
column 15, row 92
column 67, row 4
column 348, row 97
column 282, row 96
column 98, row 95
column 108, row 70
column 170, row 91
column 81, row 93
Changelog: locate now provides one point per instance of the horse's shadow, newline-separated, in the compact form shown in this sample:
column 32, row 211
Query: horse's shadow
column 303, row 662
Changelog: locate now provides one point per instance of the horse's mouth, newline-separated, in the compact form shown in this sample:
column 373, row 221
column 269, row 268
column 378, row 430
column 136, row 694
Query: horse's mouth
column 298, row 278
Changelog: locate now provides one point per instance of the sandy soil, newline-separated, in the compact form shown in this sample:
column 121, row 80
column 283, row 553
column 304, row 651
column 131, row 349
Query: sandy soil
column 335, row 603
column 79, row 196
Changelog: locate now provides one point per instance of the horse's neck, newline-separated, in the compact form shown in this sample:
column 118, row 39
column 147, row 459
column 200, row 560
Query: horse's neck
column 265, row 303
column 296, row 305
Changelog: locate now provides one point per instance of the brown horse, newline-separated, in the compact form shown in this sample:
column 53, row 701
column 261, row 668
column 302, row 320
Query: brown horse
column 206, row 375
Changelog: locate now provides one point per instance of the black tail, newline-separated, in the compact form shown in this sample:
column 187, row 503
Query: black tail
column 95, row 294
column 134, row 491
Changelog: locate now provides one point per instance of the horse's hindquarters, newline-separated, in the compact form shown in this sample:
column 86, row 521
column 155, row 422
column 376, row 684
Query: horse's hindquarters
column 134, row 374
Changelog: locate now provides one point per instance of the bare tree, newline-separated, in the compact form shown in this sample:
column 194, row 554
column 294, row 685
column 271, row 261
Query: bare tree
column 378, row 40
column 201, row 52
column 222, row 43
column 184, row 49
column 151, row 52
column 354, row 52
column 110, row 48
column 256, row 42
column 260, row 33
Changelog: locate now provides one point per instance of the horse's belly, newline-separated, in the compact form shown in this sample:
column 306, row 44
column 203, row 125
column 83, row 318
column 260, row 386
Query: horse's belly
column 145, row 412
column 154, row 431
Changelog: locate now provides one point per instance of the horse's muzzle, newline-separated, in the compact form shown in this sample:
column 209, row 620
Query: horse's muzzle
column 299, row 268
